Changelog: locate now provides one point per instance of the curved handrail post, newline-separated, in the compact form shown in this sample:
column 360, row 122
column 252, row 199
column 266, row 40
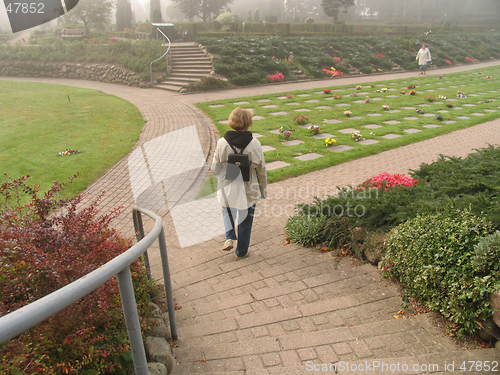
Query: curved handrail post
column 168, row 285
column 129, row 307
column 165, row 54
column 139, row 235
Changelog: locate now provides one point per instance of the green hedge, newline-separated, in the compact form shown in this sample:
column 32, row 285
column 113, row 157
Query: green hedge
column 449, row 262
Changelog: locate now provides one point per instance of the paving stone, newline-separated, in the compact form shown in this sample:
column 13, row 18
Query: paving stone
column 263, row 100
column 279, row 113
column 312, row 101
column 241, row 103
column 309, row 156
column 340, row 148
column 266, row 148
column 275, row 131
column 391, row 136
column 448, row 122
column 257, row 135
column 354, row 118
column 276, row 165
column 412, row 130
column 348, row 130
column 216, row 105
column 374, row 114
column 257, row 118
column 372, row 126
column 393, row 111
column 392, row 122
column 431, row 126
column 270, row 106
column 292, row 143
column 343, row 105
column 302, row 110
column 323, row 107
column 292, row 103
column 477, row 114
column 323, row 136
column 366, row 142
column 332, row 121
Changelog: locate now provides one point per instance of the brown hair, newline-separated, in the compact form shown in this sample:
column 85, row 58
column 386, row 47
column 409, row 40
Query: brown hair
column 240, row 119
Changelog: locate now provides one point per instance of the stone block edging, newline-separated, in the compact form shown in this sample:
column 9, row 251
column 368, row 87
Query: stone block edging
column 107, row 73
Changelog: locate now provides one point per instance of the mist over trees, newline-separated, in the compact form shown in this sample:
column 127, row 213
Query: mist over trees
column 387, row 11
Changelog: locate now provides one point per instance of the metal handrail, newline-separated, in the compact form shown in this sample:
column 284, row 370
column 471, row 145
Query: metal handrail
column 162, row 56
column 25, row 318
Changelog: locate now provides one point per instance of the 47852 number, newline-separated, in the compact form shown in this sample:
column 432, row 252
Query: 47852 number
column 25, row 8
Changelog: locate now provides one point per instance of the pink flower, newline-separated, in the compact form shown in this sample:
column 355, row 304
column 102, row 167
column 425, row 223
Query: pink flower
column 277, row 77
column 337, row 59
column 448, row 62
column 387, row 180
column 468, row 59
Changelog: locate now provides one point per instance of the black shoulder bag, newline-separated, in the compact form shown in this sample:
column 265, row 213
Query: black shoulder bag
column 237, row 163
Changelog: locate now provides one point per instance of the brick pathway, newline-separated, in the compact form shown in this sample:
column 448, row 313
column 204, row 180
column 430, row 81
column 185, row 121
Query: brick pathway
column 284, row 309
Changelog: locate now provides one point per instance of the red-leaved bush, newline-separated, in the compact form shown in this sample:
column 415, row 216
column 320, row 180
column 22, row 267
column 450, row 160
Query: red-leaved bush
column 44, row 245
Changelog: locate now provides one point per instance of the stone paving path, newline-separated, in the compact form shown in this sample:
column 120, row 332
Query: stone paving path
column 284, row 309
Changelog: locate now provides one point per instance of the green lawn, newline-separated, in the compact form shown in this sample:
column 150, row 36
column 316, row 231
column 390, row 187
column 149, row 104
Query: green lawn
column 482, row 103
column 38, row 121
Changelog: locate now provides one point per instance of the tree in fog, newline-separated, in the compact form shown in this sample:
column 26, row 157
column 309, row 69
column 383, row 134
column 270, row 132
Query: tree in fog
column 332, row 7
column 123, row 15
column 91, row 13
column 201, row 8
column 155, row 11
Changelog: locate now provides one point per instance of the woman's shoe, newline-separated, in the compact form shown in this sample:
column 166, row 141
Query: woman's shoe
column 228, row 245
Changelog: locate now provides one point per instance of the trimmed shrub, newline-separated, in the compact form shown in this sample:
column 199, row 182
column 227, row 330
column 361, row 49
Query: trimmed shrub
column 435, row 257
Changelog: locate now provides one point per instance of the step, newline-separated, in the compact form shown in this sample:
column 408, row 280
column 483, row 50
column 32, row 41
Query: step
column 168, row 87
column 194, row 51
column 191, row 69
column 187, row 74
column 182, row 78
column 186, row 59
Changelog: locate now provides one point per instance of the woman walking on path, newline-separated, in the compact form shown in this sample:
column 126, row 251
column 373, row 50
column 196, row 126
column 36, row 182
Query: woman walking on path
column 423, row 58
column 238, row 196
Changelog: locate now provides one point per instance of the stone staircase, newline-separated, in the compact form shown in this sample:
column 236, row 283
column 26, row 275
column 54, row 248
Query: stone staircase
column 295, row 313
column 190, row 63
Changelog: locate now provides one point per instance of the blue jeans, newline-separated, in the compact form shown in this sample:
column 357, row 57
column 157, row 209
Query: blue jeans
column 244, row 227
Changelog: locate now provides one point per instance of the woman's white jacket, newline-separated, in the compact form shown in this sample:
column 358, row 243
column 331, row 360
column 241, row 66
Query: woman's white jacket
column 237, row 193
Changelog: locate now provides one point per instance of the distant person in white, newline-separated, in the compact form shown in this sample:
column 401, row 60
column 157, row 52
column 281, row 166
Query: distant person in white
column 423, row 58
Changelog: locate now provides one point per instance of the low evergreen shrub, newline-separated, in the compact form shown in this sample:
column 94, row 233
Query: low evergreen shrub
column 449, row 261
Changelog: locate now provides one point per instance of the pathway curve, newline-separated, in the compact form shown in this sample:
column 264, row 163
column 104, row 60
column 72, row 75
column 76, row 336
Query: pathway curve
column 284, row 309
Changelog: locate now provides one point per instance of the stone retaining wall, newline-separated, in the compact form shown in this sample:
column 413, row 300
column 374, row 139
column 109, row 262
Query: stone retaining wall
column 92, row 72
